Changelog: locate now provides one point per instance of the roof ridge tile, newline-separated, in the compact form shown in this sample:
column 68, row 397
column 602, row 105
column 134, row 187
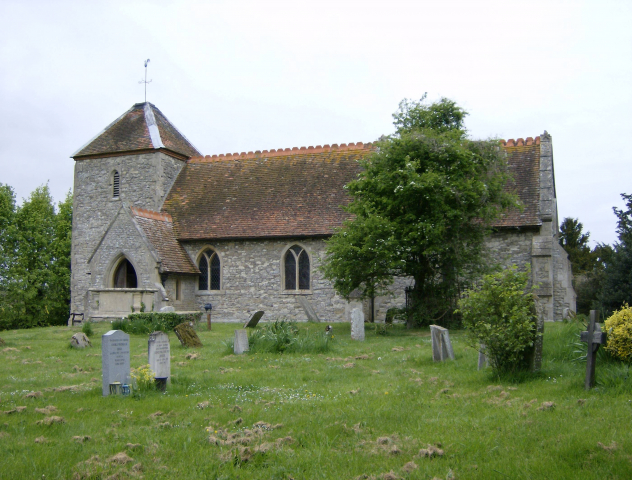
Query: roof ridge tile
column 520, row 142
column 152, row 215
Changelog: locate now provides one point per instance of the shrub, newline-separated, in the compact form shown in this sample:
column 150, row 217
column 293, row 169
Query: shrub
column 147, row 322
column 284, row 336
column 501, row 314
column 143, row 378
column 619, row 330
column 87, row 329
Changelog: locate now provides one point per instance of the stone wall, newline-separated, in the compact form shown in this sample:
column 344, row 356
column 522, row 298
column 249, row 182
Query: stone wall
column 145, row 180
column 508, row 248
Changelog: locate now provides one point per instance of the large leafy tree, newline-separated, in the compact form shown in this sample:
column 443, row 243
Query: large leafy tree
column 421, row 207
column 575, row 242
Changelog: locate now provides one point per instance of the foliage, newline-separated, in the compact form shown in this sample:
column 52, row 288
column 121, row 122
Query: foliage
column 282, row 336
column 619, row 330
column 144, row 378
column 421, row 208
column 148, row 322
column 575, row 242
column 87, row 329
column 35, row 260
column 501, row 314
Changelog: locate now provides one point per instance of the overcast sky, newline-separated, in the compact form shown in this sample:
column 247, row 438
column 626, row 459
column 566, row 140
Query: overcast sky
column 238, row 76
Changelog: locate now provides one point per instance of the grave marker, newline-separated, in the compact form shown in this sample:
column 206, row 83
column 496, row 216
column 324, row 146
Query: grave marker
column 115, row 359
column 594, row 337
column 187, row 336
column 80, row 340
column 357, row 324
column 241, row 342
column 312, row 316
column 254, row 319
column 441, row 345
column 159, row 355
column 482, row 357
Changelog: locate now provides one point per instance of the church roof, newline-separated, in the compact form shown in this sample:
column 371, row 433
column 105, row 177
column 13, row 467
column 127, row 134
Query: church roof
column 158, row 228
column 284, row 193
column 142, row 128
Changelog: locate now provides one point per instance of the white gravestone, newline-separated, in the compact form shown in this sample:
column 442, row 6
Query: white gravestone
column 159, row 355
column 357, row 324
column 441, row 345
column 115, row 359
column 241, row 342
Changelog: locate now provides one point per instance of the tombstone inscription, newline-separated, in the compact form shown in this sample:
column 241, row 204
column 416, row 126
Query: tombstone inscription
column 159, row 355
column 115, row 359
column 594, row 337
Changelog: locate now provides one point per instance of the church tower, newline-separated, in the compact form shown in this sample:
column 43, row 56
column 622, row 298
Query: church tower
column 131, row 164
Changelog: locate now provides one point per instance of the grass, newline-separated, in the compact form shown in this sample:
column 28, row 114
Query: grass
column 334, row 407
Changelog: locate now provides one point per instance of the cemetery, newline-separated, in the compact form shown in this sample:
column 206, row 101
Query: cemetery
column 416, row 404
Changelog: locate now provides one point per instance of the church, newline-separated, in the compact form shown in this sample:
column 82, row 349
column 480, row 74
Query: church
column 157, row 224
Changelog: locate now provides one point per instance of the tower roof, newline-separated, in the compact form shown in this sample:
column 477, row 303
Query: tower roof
column 142, row 128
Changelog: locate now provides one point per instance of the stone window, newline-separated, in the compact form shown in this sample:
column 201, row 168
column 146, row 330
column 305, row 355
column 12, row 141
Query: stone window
column 178, row 290
column 116, row 184
column 125, row 275
column 210, row 270
column 296, row 268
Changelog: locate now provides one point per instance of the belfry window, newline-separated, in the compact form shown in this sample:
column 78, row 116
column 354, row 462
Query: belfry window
column 116, row 184
column 125, row 275
column 210, row 271
column 296, row 267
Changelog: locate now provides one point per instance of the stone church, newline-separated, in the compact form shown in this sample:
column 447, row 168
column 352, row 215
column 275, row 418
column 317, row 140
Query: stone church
column 156, row 223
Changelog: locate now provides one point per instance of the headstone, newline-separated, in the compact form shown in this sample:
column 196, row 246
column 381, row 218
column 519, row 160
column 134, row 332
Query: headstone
column 252, row 323
column 115, row 359
column 167, row 309
column 312, row 316
column 482, row 357
column 357, row 324
column 594, row 337
column 159, row 355
column 535, row 355
column 187, row 336
column 241, row 342
column 80, row 340
column 441, row 345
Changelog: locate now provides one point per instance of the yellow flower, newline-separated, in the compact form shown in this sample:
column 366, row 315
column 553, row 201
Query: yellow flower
column 385, row 393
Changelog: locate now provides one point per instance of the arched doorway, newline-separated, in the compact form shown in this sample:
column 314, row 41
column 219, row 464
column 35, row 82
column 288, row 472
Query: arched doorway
column 125, row 275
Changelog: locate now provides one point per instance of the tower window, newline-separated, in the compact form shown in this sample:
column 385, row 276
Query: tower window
column 296, row 266
column 116, row 184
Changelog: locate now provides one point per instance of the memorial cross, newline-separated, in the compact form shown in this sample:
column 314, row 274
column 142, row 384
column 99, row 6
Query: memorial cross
column 594, row 337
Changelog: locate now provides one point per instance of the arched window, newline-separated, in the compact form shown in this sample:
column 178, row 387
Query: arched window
column 210, row 271
column 116, row 184
column 125, row 275
column 296, row 264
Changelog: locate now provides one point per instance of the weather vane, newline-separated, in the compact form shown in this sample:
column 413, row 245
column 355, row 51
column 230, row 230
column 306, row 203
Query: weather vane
column 145, row 81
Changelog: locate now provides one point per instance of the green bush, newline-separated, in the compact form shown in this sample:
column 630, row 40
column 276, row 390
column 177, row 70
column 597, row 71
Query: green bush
column 284, row 336
column 147, row 322
column 87, row 329
column 501, row 314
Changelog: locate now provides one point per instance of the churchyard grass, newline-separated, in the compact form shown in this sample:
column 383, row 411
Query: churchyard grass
column 360, row 408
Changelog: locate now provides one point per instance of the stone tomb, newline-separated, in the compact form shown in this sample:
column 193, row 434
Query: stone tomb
column 241, row 342
column 357, row 324
column 159, row 355
column 115, row 359
column 441, row 345
column 254, row 320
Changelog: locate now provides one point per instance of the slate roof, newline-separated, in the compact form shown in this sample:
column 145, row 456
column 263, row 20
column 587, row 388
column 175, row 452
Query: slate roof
column 158, row 228
column 142, row 128
column 285, row 193
column 523, row 162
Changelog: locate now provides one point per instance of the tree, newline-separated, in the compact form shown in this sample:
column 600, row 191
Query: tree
column 575, row 242
column 421, row 208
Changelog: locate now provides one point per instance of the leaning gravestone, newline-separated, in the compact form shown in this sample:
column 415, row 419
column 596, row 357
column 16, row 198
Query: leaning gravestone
column 441, row 345
column 187, row 336
column 159, row 355
column 115, row 359
column 252, row 323
column 357, row 324
column 241, row 342
column 79, row 340
column 312, row 316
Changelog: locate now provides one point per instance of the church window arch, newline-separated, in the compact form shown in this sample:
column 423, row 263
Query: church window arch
column 124, row 275
column 296, row 269
column 210, row 267
column 116, row 184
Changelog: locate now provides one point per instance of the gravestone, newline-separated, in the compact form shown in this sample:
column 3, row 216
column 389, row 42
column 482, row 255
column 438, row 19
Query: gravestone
column 114, row 359
column 357, row 324
column 252, row 323
column 312, row 316
column 482, row 358
column 80, row 340
column 441, row 345
column 187, row 336
column 159, row 355
column 594, row 337
column 535, row 355
column 241, row 342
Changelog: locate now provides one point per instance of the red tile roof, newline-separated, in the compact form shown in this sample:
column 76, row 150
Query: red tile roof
column 158, row 228
column 142, row 127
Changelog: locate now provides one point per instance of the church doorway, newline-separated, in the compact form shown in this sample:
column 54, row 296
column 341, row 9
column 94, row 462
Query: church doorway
column 125, row 275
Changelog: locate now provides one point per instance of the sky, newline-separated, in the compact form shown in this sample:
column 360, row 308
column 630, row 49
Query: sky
column 237, row 76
